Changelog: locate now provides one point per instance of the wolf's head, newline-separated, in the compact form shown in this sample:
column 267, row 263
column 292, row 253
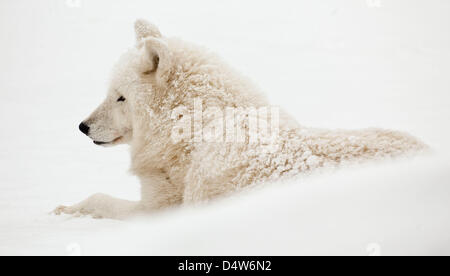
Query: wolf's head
column 139, row 69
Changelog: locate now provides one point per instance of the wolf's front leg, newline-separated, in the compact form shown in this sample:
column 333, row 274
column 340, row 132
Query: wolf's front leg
column 101, row 206
column 159, row 191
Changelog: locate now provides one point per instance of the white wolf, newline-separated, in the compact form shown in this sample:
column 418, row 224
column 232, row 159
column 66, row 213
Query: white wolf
column 161, row 76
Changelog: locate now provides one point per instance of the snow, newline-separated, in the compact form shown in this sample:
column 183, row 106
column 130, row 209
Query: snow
column 332, row 64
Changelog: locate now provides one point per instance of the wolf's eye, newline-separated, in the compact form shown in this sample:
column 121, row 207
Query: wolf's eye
column 121, row 99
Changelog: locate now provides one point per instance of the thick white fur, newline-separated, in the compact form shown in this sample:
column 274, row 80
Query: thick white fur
column 161, row 74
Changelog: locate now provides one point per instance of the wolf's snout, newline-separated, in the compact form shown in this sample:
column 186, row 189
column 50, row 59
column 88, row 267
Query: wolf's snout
column 84, row 128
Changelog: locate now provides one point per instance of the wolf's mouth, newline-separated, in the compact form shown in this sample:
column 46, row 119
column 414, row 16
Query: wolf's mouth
column 100, row 143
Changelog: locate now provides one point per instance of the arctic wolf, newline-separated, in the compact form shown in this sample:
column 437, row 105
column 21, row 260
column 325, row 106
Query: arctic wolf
column 165, row 95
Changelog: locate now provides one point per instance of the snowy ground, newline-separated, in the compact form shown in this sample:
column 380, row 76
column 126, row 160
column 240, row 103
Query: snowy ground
column 331, row 63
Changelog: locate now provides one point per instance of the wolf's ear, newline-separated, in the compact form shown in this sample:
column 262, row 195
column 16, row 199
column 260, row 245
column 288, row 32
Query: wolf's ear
column 156, row 58
column 145, row 29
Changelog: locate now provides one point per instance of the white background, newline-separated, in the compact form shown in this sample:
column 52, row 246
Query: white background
column 333, row 64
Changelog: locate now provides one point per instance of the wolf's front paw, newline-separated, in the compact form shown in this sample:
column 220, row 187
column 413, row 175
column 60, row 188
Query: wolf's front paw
column 100, row 206
column 61, row 209
column 76, row 211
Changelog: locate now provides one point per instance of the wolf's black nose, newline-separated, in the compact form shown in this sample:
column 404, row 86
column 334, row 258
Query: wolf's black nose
column 84, row 128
